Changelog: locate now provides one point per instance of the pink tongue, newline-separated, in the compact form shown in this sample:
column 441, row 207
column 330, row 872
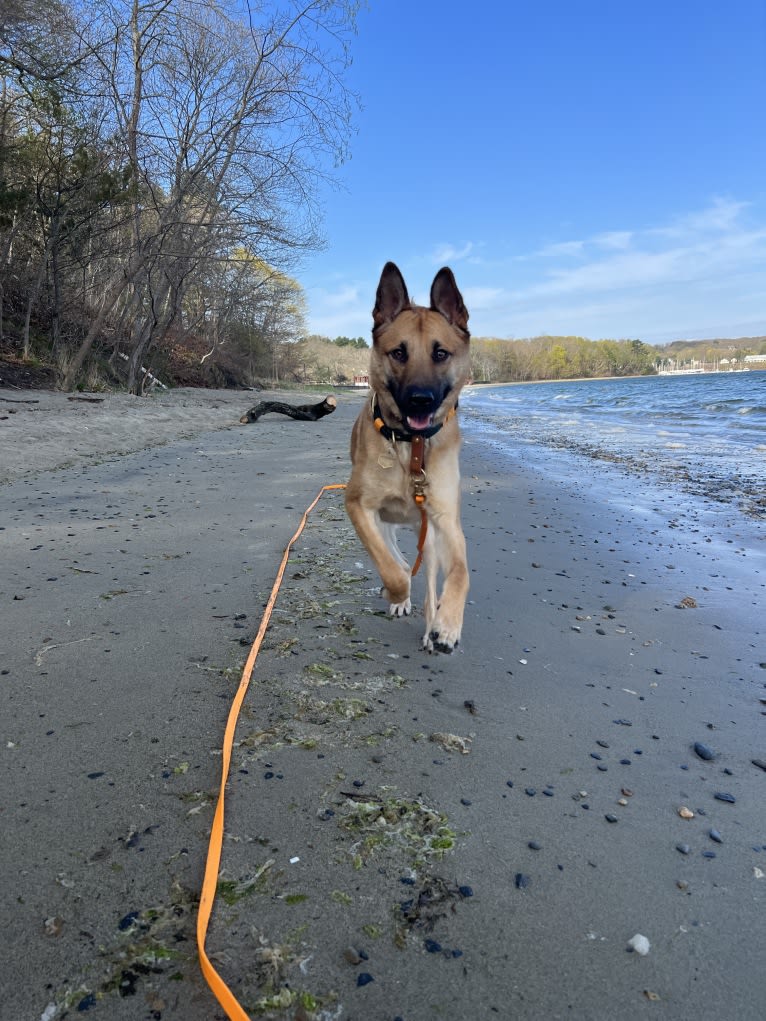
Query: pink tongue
column 419, row 421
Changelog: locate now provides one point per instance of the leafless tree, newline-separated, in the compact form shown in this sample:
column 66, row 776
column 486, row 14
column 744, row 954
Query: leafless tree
column 226, row 126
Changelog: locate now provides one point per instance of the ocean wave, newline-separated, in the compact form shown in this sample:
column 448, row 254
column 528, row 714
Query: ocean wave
column 668, row 429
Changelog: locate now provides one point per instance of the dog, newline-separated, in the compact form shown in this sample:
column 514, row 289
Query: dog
column 405, row 450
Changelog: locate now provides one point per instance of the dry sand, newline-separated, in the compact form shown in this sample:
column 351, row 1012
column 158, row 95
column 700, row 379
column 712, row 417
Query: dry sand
column 44, row 429
column 463, row 837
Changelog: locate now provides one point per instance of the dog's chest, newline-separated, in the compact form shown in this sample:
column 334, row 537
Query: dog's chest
column 396, row 488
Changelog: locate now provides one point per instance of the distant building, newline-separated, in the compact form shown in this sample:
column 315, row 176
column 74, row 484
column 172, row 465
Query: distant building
column 363, row 380
column 755, row 358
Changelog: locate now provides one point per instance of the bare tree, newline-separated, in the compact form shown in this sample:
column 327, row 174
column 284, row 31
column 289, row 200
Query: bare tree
column 226, row 126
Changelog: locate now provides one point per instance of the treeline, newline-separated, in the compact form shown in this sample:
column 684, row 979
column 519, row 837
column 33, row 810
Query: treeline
column 504, row 361
column 158, row 165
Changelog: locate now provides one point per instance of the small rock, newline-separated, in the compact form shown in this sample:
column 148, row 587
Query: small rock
column 722, row 796
column 352, row 956
column 682, row 884
column 622, row 801
column 683, row 848
column 432, row 946
column 640, row 944
column 704, row 751
column 687, row 603
column 520, row 881
column 685, row 813
column 716, row 836
column 708, row 854
column 452, row 742
column 530, row 791
column 364, row 979
column 610, row 818
column 760, row 763
column 533, row 845
column 53, row 926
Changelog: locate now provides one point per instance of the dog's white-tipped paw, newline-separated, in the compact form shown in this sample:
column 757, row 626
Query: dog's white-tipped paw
column 400, row 609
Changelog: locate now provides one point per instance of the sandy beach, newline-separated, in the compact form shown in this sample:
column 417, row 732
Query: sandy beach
column 420, row 837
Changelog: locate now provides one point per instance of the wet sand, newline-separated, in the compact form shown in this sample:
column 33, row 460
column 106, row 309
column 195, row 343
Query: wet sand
column 476, row 836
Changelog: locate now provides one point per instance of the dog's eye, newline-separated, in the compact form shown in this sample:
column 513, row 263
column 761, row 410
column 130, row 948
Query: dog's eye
column 440, row 355
column 399, row 354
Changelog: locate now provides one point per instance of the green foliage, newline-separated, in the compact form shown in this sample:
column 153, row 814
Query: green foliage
column 358, row 342
column 500, row 361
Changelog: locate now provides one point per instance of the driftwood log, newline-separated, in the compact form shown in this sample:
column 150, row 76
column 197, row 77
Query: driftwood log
column 303, row 412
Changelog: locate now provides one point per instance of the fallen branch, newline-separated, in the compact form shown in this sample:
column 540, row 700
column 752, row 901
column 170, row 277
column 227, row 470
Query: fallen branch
column 302, row 412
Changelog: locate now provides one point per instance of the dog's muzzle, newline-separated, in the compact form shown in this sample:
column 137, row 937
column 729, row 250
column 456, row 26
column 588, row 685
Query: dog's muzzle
column 418, row 406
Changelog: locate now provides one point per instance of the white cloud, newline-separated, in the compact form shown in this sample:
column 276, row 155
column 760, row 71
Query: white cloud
column 343, row 310
column 444, row 253
column 347, row 296
column 484, row 297
column 698, row 273
column 560, row 248
column 721, row 215
column 614, row 239
column 693, row 248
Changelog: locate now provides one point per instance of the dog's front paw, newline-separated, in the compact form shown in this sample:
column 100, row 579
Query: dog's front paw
column 400, row 609
column 441, row 640
column 399, row 604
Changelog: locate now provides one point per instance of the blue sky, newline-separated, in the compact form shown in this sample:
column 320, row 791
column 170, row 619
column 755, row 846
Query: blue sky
column 588, row 167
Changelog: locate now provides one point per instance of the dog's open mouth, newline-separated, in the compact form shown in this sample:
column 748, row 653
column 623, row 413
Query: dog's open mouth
column 418, row 423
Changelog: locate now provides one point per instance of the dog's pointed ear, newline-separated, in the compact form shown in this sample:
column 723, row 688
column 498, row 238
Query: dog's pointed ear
column 447, row 299
column 391, row 297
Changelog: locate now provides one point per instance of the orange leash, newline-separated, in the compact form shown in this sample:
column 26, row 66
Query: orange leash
column 421, row 502
column 220, row 990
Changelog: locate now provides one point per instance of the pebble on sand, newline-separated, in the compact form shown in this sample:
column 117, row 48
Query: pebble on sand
column 639, row 944
column 704, row 751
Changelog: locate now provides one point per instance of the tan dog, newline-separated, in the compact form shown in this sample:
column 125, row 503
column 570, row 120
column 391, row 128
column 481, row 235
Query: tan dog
column 405, row 447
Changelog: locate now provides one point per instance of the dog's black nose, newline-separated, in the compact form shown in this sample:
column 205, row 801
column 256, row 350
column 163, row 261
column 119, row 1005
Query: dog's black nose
column 421, row 400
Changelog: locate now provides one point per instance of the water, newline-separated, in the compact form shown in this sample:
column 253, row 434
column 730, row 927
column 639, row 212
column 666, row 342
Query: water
column 703, row 434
